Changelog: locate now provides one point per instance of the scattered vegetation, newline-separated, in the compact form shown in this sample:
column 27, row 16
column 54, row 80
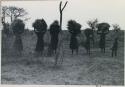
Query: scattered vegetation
column 94, row 65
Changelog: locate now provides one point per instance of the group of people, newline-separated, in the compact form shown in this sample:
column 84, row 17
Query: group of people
column 74, row 28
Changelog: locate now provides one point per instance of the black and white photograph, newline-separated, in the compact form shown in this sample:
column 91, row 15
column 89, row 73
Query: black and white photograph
column 62, row 42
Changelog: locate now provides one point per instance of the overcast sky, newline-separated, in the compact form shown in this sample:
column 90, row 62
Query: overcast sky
column 111, row 11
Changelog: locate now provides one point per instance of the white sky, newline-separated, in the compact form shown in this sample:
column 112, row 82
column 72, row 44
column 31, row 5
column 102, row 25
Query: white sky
column 111, row 11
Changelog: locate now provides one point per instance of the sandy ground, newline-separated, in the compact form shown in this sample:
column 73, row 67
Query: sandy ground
column 81, row 69
column 98, row 68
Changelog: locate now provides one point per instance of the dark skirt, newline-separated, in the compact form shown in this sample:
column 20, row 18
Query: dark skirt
column 73, row 43
column 102, row 44
column 39, row 46
column 18, row 45
column 54, row 43
column 87, row 44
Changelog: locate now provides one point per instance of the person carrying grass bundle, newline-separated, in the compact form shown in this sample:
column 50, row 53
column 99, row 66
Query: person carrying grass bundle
column 18, row 28
column 40, row 27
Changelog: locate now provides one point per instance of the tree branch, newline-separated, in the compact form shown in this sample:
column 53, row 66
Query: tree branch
column 60, row 6
column 64, row 6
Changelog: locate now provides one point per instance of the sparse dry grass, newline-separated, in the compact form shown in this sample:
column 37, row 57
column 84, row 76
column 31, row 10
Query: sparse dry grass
column 98, row 68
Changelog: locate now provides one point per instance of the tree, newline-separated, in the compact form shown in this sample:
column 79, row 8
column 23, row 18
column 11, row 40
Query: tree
column 18, row 28
column 116, row 27
column 103, row 30
column 60, row 51
column 13, row 12
column 89, row 35
column 74, row 29
column 4, row 9
column 5, row 25
column 92, row 24
column 40, row 28
column 61, row 12
column 54, row 31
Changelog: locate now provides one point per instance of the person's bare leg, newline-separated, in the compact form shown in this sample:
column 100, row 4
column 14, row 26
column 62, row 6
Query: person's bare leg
column 77, row 51
column 112, row 53
column 72, row 52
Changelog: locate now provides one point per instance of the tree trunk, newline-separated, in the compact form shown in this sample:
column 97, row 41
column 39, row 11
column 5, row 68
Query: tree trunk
column 60, row 51
column 11, row 18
